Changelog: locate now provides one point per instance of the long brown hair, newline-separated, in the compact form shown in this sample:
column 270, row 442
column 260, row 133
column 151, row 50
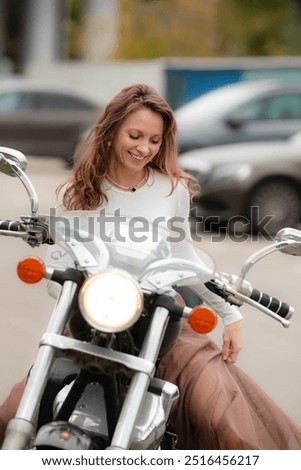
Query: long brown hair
column 84, row 187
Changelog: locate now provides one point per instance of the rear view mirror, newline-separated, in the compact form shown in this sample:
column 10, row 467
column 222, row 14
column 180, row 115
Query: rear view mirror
column 14, row 163
column 236, row 119
column 293, row 237
column 9, row 158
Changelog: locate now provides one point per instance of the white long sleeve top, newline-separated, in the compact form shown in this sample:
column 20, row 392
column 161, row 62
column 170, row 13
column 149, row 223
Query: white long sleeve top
column 155, row 202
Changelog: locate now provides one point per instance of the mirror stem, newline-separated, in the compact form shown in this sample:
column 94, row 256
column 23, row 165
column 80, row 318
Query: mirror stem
column 34, row 201
column 259, row 255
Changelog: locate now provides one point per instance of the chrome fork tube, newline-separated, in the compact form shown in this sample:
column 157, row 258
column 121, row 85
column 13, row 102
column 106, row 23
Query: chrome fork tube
column 140, row 382
column 20, row 429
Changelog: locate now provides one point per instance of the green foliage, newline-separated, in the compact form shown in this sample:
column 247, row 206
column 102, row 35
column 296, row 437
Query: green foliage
column 74, row 29
column 178, row 28
column 166, row 28
column 208, row 28
column 255, row 28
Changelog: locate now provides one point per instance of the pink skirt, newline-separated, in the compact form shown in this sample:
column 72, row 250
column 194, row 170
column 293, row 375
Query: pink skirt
column 220, row 407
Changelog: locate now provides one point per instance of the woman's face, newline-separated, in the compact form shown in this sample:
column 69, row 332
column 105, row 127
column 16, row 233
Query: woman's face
column 138, row 139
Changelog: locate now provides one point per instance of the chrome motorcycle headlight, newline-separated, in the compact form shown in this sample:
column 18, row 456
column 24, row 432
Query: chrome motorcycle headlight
column 110, row 301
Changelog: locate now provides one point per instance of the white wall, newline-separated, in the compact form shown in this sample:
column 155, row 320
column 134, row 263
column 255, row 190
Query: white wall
column 101, row 81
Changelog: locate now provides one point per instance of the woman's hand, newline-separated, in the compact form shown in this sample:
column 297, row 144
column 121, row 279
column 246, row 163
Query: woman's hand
column 231, row 341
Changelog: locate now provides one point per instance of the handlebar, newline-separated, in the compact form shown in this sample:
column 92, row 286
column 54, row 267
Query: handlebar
column 34, row 230
column 282, row 309
column 225, row 288
column 11, row 225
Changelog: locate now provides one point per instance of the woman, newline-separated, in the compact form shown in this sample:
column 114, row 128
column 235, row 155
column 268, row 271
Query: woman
column 128, row 163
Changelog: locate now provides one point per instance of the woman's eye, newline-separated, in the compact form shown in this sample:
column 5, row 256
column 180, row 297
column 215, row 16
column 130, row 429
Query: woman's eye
column 136, row 137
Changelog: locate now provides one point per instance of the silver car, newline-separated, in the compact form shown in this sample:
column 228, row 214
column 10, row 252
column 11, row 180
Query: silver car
column 242, row 112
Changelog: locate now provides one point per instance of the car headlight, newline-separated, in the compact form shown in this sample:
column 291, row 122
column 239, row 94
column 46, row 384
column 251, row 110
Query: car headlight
column 110, row 301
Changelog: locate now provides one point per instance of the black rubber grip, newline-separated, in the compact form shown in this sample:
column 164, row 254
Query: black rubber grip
column 282, row 309
column 10, row 225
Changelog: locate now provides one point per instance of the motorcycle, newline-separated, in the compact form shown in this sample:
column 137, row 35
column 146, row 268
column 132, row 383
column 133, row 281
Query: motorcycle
column 93, row 384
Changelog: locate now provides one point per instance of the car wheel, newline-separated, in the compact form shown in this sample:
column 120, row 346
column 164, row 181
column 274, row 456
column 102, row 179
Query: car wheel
column 274, row 205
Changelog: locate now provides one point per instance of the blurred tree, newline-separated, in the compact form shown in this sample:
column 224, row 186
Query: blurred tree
column 298, row 5
column 156, row 28
column 19, row 23
column 209, row 28
column 13, row 30
column 259, row 27
column 292, row 31
column 73, row 25
column 172, row 28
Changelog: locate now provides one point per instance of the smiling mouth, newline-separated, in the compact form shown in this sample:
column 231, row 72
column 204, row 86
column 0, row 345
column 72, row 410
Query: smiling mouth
column 135, row 157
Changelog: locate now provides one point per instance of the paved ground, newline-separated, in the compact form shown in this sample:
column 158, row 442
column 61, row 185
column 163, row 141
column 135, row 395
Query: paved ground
column 271, row 353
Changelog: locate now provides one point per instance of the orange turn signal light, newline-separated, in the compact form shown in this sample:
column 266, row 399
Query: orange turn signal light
column 31, row 269
column 202, row 319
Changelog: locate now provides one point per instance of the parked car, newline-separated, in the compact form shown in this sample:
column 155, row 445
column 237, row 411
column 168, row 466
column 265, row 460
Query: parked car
column 257, row 184
column 242, row 112
column 38, row 119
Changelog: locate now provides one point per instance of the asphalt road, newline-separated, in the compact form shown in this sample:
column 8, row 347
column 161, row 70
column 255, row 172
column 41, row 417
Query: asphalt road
column 271, row 354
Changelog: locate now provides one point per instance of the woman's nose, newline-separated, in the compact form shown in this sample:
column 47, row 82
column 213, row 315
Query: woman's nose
column 143, row 147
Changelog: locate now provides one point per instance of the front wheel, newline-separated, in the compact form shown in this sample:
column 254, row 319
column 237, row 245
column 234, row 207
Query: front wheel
column 275, row 205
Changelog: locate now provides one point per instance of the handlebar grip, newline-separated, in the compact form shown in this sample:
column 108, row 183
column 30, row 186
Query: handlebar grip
column 11, row 225
column 282, row 309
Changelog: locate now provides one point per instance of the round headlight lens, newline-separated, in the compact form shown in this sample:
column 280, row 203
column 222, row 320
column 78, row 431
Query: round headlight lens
column 110, row 301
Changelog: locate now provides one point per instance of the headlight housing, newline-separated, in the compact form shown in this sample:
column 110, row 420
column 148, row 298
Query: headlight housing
column 110, row 301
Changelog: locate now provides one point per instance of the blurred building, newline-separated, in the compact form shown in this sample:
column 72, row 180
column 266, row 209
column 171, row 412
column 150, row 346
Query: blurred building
column 38, row 31
column 36, row 37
